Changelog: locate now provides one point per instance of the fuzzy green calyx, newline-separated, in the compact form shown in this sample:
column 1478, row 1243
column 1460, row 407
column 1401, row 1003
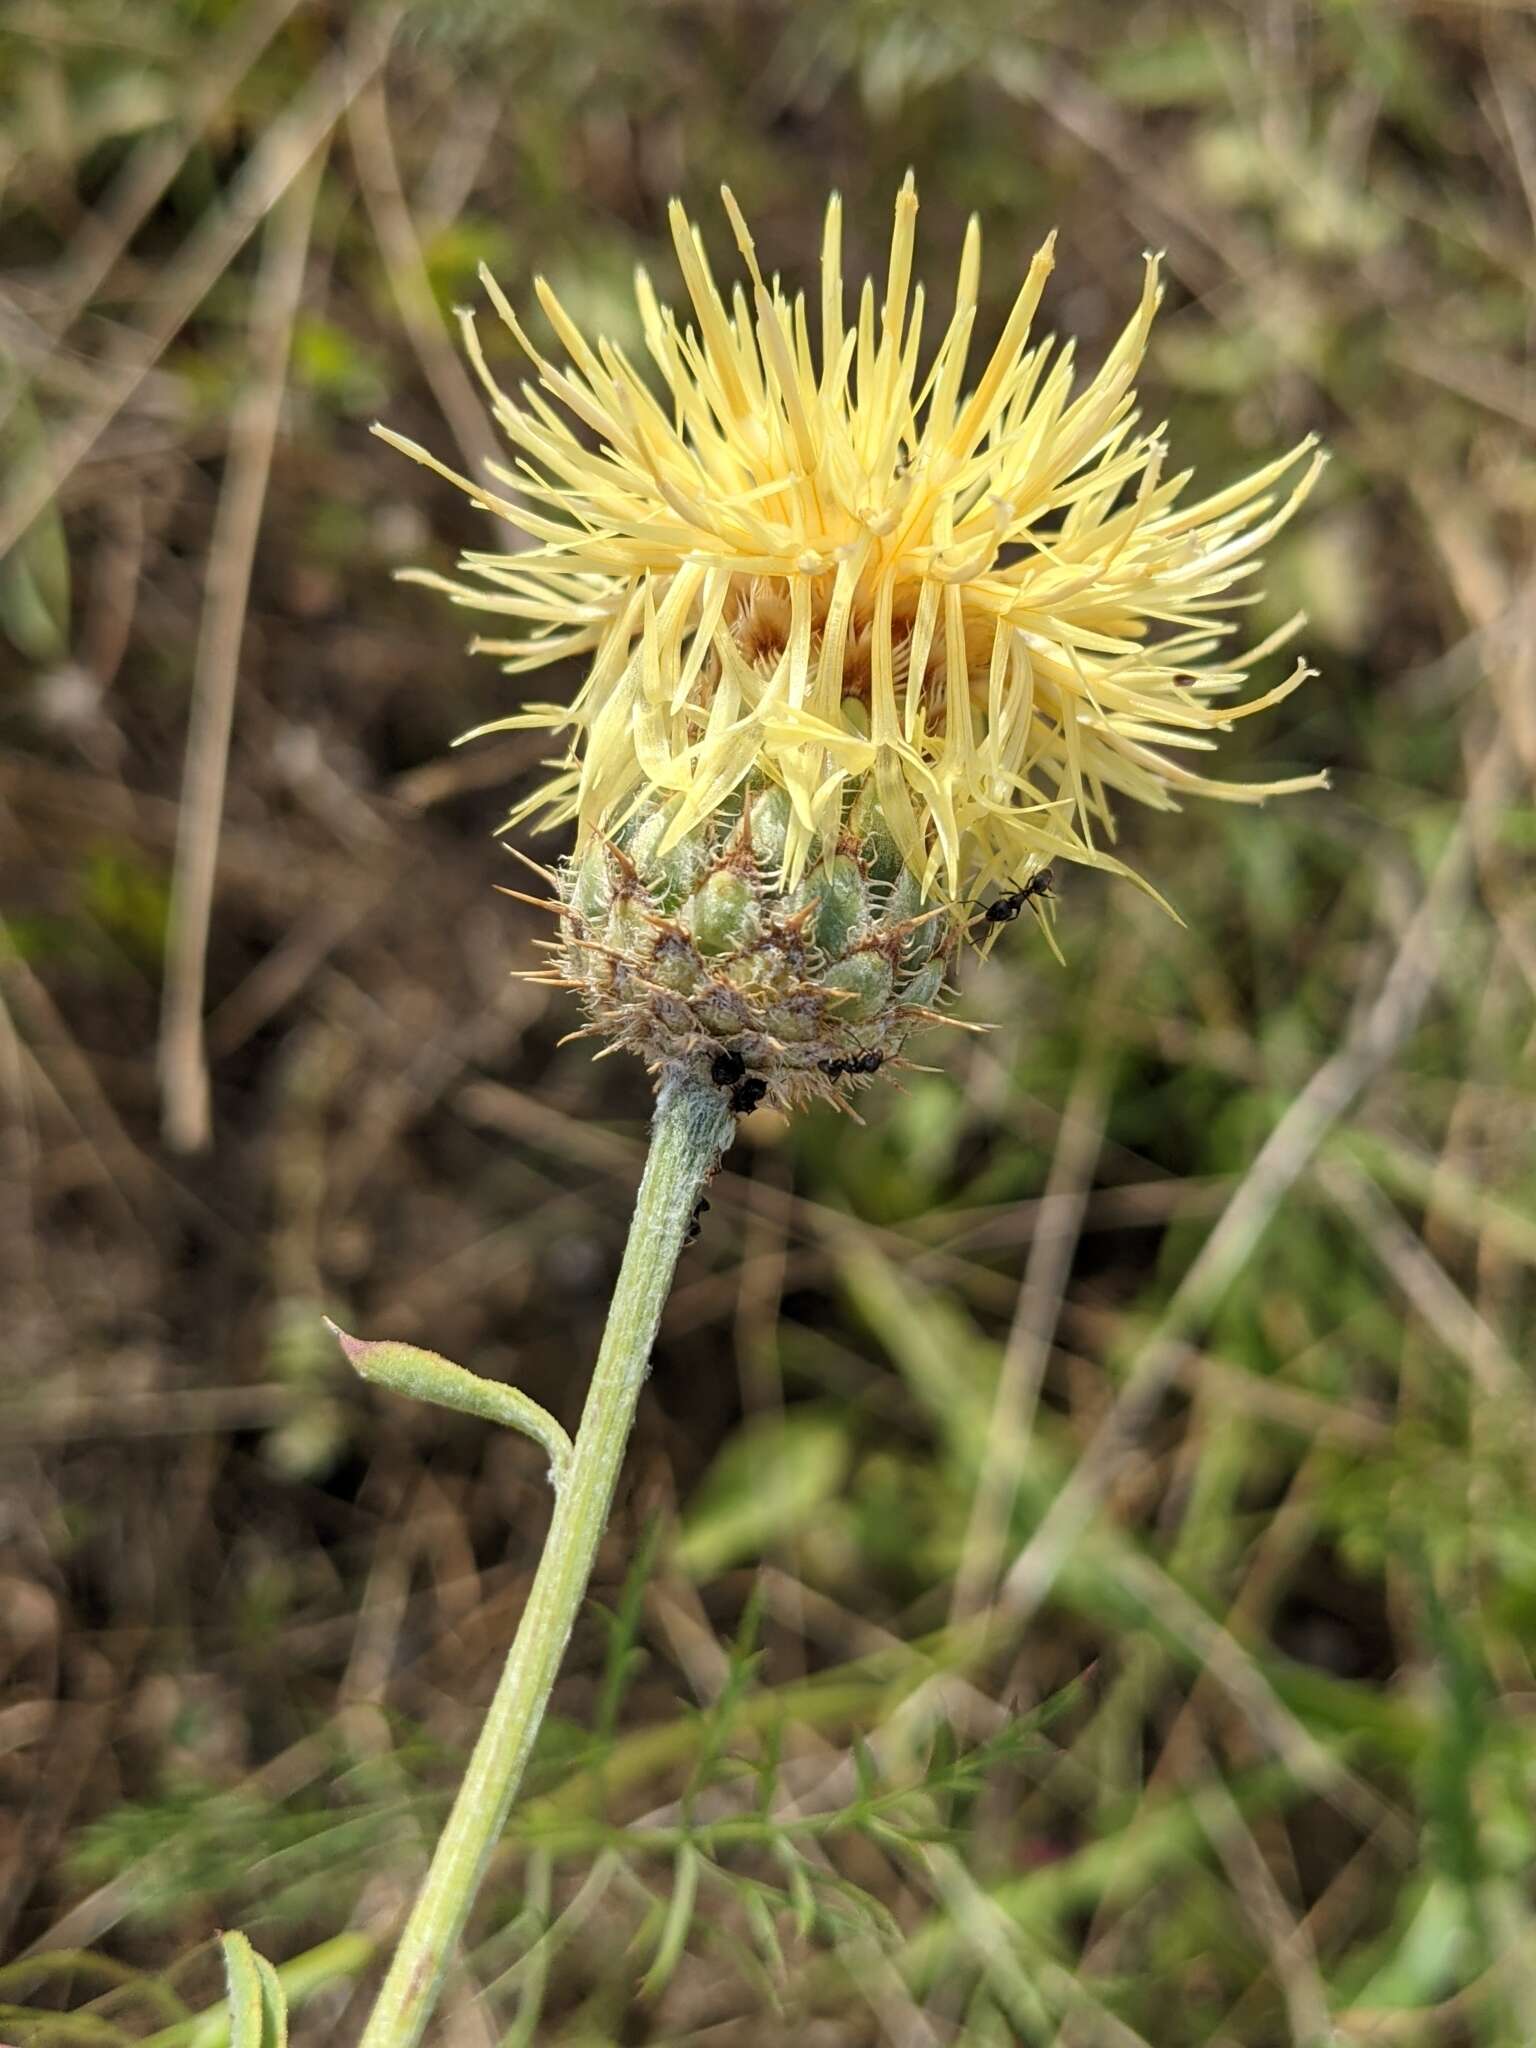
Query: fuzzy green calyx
column 695, row 955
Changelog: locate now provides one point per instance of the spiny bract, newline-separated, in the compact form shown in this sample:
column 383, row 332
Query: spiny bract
column 698, row 956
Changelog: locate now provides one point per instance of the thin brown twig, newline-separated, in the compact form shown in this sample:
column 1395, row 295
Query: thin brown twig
column 183, row 1059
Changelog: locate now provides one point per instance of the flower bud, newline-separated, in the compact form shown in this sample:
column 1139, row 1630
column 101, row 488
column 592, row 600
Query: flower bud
column 700, row 956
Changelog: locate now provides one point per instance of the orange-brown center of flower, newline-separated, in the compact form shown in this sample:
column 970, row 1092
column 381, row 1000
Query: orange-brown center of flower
column 758, row 614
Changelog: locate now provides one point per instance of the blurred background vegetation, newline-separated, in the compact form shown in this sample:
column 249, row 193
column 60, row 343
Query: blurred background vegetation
column 878, row 1728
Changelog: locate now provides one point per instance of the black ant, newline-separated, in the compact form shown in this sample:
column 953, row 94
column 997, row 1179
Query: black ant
column 1007, row 908
column 695, row 1225
column 727, row 1068
column 747, row 1094
column 861, row 1063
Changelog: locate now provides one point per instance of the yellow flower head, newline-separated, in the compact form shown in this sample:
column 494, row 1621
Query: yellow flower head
column 815, row 562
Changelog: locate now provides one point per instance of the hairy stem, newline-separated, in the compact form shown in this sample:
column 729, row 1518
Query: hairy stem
column 691, row 1128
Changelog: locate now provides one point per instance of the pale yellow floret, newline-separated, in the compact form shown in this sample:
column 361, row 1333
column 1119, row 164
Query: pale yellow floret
column 813, row 567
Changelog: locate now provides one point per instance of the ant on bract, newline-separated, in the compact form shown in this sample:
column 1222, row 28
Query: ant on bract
column 1005, row 909
column 861, row 1063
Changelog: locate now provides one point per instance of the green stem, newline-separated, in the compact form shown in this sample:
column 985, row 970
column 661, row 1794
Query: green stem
column 691, row 1129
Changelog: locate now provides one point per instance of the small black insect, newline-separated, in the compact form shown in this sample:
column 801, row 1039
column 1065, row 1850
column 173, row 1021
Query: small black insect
column 861, row 1063
column 1008, row 907
column 727, row 1068
column 695, row 1225
column 747, row 1094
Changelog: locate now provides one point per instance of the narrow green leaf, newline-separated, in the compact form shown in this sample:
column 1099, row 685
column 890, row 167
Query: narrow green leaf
column 34, row 575
column 258, row 2012
column 426, row 1376
column 679, row 1920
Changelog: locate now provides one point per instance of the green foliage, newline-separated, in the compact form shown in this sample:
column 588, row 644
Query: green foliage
column 340, row 372
column 128, row 900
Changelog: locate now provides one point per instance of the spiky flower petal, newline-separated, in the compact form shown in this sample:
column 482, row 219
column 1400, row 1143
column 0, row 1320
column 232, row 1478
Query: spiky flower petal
column 822, row 566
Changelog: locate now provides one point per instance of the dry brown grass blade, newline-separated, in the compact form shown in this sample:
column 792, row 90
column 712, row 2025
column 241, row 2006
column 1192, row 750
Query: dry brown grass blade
column 1292, row 1956
column 389, row 211
column 183, row 1060
column 1430, row 1289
